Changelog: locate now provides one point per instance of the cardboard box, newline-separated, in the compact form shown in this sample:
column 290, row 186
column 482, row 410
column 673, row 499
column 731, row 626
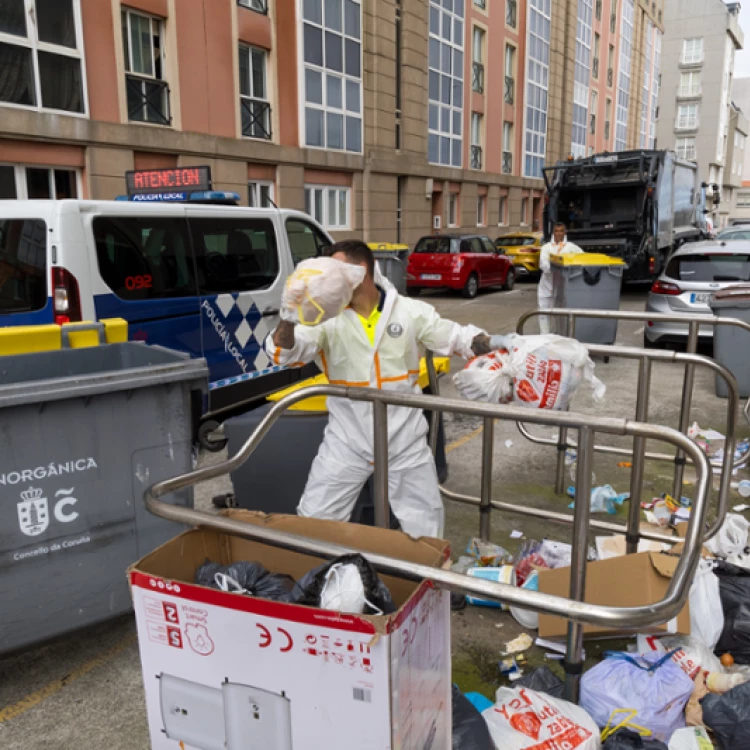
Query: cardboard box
column 630, row 581
column 221, row 667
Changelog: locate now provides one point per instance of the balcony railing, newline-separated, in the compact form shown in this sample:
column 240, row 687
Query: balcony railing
column 477, row 77
column 256, row 118
column 689, row 92
column 510, row 89
column 610, row 76
column 507, row 162
column 593, row 125
column 476, row 157
column 148, row 99
column 595, row 68
column 259, row 6
column 606, row 131
column 511, row 14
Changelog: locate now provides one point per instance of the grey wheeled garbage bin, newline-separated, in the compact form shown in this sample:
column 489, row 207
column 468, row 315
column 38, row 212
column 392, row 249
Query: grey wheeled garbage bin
column 588, row 281
column 84, row 433
column 392, row 260
column 731, row 343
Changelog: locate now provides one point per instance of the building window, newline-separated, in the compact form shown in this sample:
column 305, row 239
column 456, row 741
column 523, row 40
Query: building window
column 147, row 91
column 623, row 81
column 329, row 206
column 37, row 183
column 445, row 82
column 595, row 61
column 476, row 140
column 524, row 211
column 537, row 87
column 592, row 109
column 655, row 89
column 582, row 78
column 332, row 33
column 511, row 13
column 612, row 23
column 502, row 211
column 260, row 194
column 254, row 105
column 453, row 209
column 610, row 65
column 743, row 200
column 481, row 4
column 477, row 63
column 41, row 62
column 509, row 93
column 607, row 118
column 598, row 10
column 687, row 117
column 692, row 51
column 507, row 165
column 259, row 6
column 481, row 210
column 690, row 84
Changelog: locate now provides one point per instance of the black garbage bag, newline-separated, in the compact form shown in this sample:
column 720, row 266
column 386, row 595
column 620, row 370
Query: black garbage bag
column 543, row 680
column 246, row 577
column 728, row 717
column 308, row 589
column 734, row 589
column 470, row 731
column 627, row 739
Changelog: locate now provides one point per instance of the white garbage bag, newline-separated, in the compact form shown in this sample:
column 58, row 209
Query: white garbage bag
column 706, row 613
column 690, row 738
column 523, row 719
column 731, row 538
column 690, row 653
column 319, row 289
column 539, row 372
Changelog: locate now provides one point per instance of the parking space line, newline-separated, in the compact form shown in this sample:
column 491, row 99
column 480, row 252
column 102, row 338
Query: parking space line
column 463, row 440
column 34, row 699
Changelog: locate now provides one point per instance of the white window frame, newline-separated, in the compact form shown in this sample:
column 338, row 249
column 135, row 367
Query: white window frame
column 259, row 6
column 743, row 200
column 687, row 121
column 624, row 75
column 452, row 209
column 323, row 71
column 692, row 51
column 539, row 13
column 525, row 211
column 254, row 193
column 481, row 210
column 685, row 148
column 582, row 78
column 19, row 171
column 502, row 211
column 32, row 43
column 693, row 87
column 247, row 49
column 325, row 220
column 437, row 110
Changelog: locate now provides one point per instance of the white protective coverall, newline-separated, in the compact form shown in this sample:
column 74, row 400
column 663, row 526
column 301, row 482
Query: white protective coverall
column 342, row 349
column 545, row 292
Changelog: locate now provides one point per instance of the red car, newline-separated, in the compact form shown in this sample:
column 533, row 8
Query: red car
column 466, row 263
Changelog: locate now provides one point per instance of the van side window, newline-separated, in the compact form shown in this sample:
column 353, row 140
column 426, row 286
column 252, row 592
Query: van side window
column 305, row 241
column 23, row 265
column 144, row 257
column 234, row 255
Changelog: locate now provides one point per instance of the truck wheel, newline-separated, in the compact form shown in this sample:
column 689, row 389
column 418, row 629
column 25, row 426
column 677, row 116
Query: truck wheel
column 510, row 280
column 204, row 437
column 471, row 287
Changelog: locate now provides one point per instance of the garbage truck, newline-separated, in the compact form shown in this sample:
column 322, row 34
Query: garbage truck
column 635, row 205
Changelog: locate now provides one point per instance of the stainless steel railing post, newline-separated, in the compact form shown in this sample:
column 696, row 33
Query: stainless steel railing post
column 380, row 457
column 579, row 555
column 485, row 505
column 639, row 458
column 685, row 409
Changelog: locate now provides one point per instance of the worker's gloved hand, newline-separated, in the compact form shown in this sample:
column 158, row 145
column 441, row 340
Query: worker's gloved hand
column 501, row 342
column 291, row 299
column 480, row 344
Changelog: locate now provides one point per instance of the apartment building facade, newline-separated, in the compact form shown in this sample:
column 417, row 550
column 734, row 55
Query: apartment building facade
column 383, row 119
column 700, row 42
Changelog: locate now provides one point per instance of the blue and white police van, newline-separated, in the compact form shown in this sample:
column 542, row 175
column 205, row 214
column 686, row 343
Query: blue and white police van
column 185, row 268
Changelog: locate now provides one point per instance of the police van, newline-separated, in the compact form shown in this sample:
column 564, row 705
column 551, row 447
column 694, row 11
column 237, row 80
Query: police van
column 186, row 271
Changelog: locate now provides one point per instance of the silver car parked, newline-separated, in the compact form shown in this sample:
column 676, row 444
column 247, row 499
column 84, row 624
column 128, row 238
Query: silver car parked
column 693, row 275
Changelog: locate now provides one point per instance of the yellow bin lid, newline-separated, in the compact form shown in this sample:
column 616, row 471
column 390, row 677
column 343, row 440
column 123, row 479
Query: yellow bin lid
column 388, row 247
column 586, row 259
column 319, row 403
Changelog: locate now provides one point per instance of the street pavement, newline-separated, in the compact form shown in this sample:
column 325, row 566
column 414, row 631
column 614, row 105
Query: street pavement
column 85, row 690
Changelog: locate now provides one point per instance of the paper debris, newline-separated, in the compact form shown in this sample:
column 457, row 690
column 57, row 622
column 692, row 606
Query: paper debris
column 740, row 508
column 515, row 534
column 517, row 645
column 508, row 443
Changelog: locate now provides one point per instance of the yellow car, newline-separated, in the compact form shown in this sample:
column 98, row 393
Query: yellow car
column 522, row 248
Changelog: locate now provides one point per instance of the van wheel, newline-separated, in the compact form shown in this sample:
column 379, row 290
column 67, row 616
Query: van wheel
column 510, row 280
column 213, row 445
column 471, row 287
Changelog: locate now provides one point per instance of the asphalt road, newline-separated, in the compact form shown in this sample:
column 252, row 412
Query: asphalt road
column 85, row 690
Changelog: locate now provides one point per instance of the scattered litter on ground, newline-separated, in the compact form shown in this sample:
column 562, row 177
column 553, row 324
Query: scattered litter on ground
column 604, row 499
column 741, row 508
column 543, row 680
column 625, row 465
column 728, row 717
column 508, row 443
column 520, row 644
column 503, row 574
column 487, row 554
column 509, row 668
column 690, row 738
column 515, row 534
column 615, row 546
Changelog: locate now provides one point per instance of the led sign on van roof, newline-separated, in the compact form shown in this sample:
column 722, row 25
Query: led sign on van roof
column 168, row 180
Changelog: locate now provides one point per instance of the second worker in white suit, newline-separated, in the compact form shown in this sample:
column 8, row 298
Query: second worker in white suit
column 376, row 342
column 545, row 291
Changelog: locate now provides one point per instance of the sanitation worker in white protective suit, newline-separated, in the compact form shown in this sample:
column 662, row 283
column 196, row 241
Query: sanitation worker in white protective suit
column 545, row 291
column 376, row 342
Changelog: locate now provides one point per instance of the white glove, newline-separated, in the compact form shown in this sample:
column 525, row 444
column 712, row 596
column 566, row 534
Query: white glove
column 502, row 342
column 291, row 298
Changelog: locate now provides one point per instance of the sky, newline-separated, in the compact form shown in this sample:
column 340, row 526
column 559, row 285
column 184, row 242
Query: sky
column 742, row 58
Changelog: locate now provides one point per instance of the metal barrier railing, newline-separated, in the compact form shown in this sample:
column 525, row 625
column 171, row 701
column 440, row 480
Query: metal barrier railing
column 574, row 608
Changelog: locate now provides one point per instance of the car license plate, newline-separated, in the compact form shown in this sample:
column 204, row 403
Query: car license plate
column 430, row 277
column 700, row 299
